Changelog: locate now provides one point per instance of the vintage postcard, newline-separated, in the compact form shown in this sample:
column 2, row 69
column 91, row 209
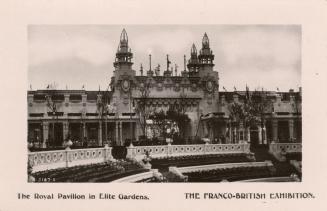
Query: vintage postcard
column 125, row 106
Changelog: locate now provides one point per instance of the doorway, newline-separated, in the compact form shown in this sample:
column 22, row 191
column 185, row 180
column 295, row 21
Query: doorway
column 254, row 136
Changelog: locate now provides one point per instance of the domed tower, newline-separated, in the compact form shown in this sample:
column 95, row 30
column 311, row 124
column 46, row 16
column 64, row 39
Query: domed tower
column 124, row 55
column 205, row 57
column 193, row 62
column 123, row 61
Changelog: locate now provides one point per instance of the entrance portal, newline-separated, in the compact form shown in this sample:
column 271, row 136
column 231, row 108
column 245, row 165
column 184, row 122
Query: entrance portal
column 55, row 134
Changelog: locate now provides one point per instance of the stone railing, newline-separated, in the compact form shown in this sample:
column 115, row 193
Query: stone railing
column 285, row 147
column 141, row 177
column 223, row 166
column 65, row 158
column 138, row 152
column 279, row 150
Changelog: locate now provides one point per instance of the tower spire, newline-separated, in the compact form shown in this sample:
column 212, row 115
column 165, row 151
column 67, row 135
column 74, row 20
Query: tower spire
column 184, row 63
column 141, row 69
column 184, row 72
column 150, row 61
column 193, row 50
column 205, row 41
column 123, row 37
column 206, row 56
column 193, row 62
column 124, row 55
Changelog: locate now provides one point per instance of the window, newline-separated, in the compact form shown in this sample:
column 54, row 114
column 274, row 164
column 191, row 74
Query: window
column 75, row 97
column 36, row 114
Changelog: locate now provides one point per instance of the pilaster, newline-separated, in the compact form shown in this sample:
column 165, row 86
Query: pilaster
column 65, row 129
column 291, row 129
column 45, row 129
column 260, row 135
column 275, row 130
column 100, row 134
column 117, row 135
column 121, row 133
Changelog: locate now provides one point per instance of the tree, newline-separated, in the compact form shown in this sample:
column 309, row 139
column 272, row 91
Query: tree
column 258, row 105
column 142, row 109
column 171, row 123
column 252, row 111
column 53, row 109
column 160, row 123
column 103, row 109
column 177, row 114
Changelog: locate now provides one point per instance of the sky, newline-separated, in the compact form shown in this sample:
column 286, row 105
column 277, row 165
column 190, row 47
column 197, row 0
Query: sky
column 70, row 56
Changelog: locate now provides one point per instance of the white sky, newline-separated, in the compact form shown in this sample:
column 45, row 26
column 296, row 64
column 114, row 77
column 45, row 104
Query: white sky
column 266, row 56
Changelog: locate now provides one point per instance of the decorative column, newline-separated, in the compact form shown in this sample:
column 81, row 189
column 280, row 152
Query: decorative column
column 65, row 129
column 230, row 132
column 241, row 133
column 100, row 134
column 45, row 128
column 264, row 136
column 66, row 102
column 121, row 133
column 106, row 131
column 234, row 136
column 205, row 129
column 248, row 134
column 275, row 130
column 264, row 132
column 291, row 129
column 117, row 135
column 136, row 131
column 84, row 130
column 260, row 134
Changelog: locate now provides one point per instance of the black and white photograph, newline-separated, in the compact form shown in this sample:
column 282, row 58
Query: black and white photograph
column 164, row 103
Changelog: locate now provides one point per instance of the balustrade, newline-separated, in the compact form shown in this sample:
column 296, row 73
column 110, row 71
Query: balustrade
column 65, row 158
column 279, row 150
column 138, row 152
column 285, row 147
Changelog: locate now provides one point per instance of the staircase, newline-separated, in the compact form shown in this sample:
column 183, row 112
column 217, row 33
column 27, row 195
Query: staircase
column 261, row 153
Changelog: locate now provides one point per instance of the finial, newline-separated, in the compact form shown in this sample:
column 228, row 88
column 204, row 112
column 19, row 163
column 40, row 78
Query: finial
column 193, row 50
column 150, row 61
column 205, row 40
column 184, row 62
column 157, row 70
column 168, row 62
column 141, row 69
column 123, row 36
